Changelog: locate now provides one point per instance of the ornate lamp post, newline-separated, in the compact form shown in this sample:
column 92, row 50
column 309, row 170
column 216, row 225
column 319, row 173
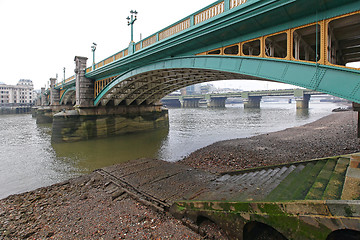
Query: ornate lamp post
column 131, row 21
column 93, row 48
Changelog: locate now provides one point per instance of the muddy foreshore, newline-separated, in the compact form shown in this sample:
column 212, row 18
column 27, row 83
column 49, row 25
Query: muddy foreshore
column 82, row 208
column 332, row 135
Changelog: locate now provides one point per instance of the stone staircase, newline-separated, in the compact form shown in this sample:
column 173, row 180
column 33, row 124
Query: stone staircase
column 166, row 183
column 300, row 200
column 321, row 179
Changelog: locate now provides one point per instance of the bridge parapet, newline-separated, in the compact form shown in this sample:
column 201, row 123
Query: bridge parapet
column 196, row 18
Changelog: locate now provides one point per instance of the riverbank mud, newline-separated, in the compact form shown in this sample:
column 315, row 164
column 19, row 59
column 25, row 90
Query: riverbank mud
column 332, row 135
column 84, row 208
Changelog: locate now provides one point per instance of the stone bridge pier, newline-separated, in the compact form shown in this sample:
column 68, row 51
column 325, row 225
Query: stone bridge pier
column 189, row 102
column 215, row 102
column 302, row 100
column 48, row 107
column 54, row 93
column 87, row 121
column 171, row 102
column 252, row 101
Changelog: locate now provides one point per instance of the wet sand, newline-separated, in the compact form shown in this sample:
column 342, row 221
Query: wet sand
column 82, row 208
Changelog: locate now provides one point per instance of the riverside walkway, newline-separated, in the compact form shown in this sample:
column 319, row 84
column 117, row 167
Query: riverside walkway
column 300, row 200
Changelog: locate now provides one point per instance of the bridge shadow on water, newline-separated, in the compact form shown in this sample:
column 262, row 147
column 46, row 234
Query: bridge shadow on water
column 89, row 155
column 189, row 130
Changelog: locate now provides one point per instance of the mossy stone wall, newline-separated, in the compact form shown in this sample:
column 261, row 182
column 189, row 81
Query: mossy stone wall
column 69, row 127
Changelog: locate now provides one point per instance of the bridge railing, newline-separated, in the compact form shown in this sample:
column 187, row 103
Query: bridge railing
column 209, row 12
column 235, row 3
column 198, row 17
column 314, row 42
column 65, row 81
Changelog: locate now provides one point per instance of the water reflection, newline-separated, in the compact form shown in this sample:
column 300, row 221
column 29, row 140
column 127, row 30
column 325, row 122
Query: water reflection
column 302, row 113
column 93, row 154
column 29, row 160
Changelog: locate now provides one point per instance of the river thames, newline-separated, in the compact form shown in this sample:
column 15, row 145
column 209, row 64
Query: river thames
column 29, row 160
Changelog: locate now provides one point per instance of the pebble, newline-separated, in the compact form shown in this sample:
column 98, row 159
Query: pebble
column 329, row 136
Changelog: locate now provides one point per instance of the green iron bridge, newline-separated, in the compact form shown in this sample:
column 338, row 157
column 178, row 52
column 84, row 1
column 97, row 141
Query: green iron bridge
column 305, row 43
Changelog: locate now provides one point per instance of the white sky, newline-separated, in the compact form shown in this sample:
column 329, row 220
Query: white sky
column 41, row 37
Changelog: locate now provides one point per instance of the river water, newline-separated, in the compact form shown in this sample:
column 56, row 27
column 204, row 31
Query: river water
column 28, row 160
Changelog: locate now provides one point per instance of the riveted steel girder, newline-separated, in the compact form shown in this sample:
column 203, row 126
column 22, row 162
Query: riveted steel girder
column 336, row 81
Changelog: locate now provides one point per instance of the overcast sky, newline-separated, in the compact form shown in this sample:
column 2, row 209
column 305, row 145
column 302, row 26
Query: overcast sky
column 41, row 37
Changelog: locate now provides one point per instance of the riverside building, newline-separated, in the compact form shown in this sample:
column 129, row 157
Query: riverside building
column 20, row 94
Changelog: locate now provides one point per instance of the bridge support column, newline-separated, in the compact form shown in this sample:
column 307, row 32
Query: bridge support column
column 216, row 102
column 302, row 102
column 171, row 102
column 252, row 102
column 44, row 115
column 356, row 107
column 189, row 103
column 84, row 86
column 54, row 93
column 42, row 97
column 105, row 121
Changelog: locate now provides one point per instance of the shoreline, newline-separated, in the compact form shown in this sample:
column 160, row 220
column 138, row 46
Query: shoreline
column 83, row 207
column 335, row 134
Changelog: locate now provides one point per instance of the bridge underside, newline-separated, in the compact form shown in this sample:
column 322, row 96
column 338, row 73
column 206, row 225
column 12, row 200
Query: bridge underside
column 148, row 84
column 149, row 87
column 68, row 97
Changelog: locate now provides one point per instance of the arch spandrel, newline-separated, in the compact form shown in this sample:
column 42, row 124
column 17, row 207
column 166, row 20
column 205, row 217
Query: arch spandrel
column 68, row 95
column 336, row 81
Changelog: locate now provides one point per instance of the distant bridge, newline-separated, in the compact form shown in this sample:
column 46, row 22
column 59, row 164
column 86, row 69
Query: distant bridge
column 251, row 98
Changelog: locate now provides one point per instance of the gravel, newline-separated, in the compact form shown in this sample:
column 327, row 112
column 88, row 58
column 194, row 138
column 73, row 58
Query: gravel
column 332, row 135
column 82, row 209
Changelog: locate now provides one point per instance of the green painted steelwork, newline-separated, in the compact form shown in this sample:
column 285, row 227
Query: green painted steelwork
column 336, row 81
column 253, row 19
column 67, row 91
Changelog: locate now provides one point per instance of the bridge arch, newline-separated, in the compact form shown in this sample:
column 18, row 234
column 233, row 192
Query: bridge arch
column 68, row 96
column 258, row 230
column 148, row 84
column 348, row 234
